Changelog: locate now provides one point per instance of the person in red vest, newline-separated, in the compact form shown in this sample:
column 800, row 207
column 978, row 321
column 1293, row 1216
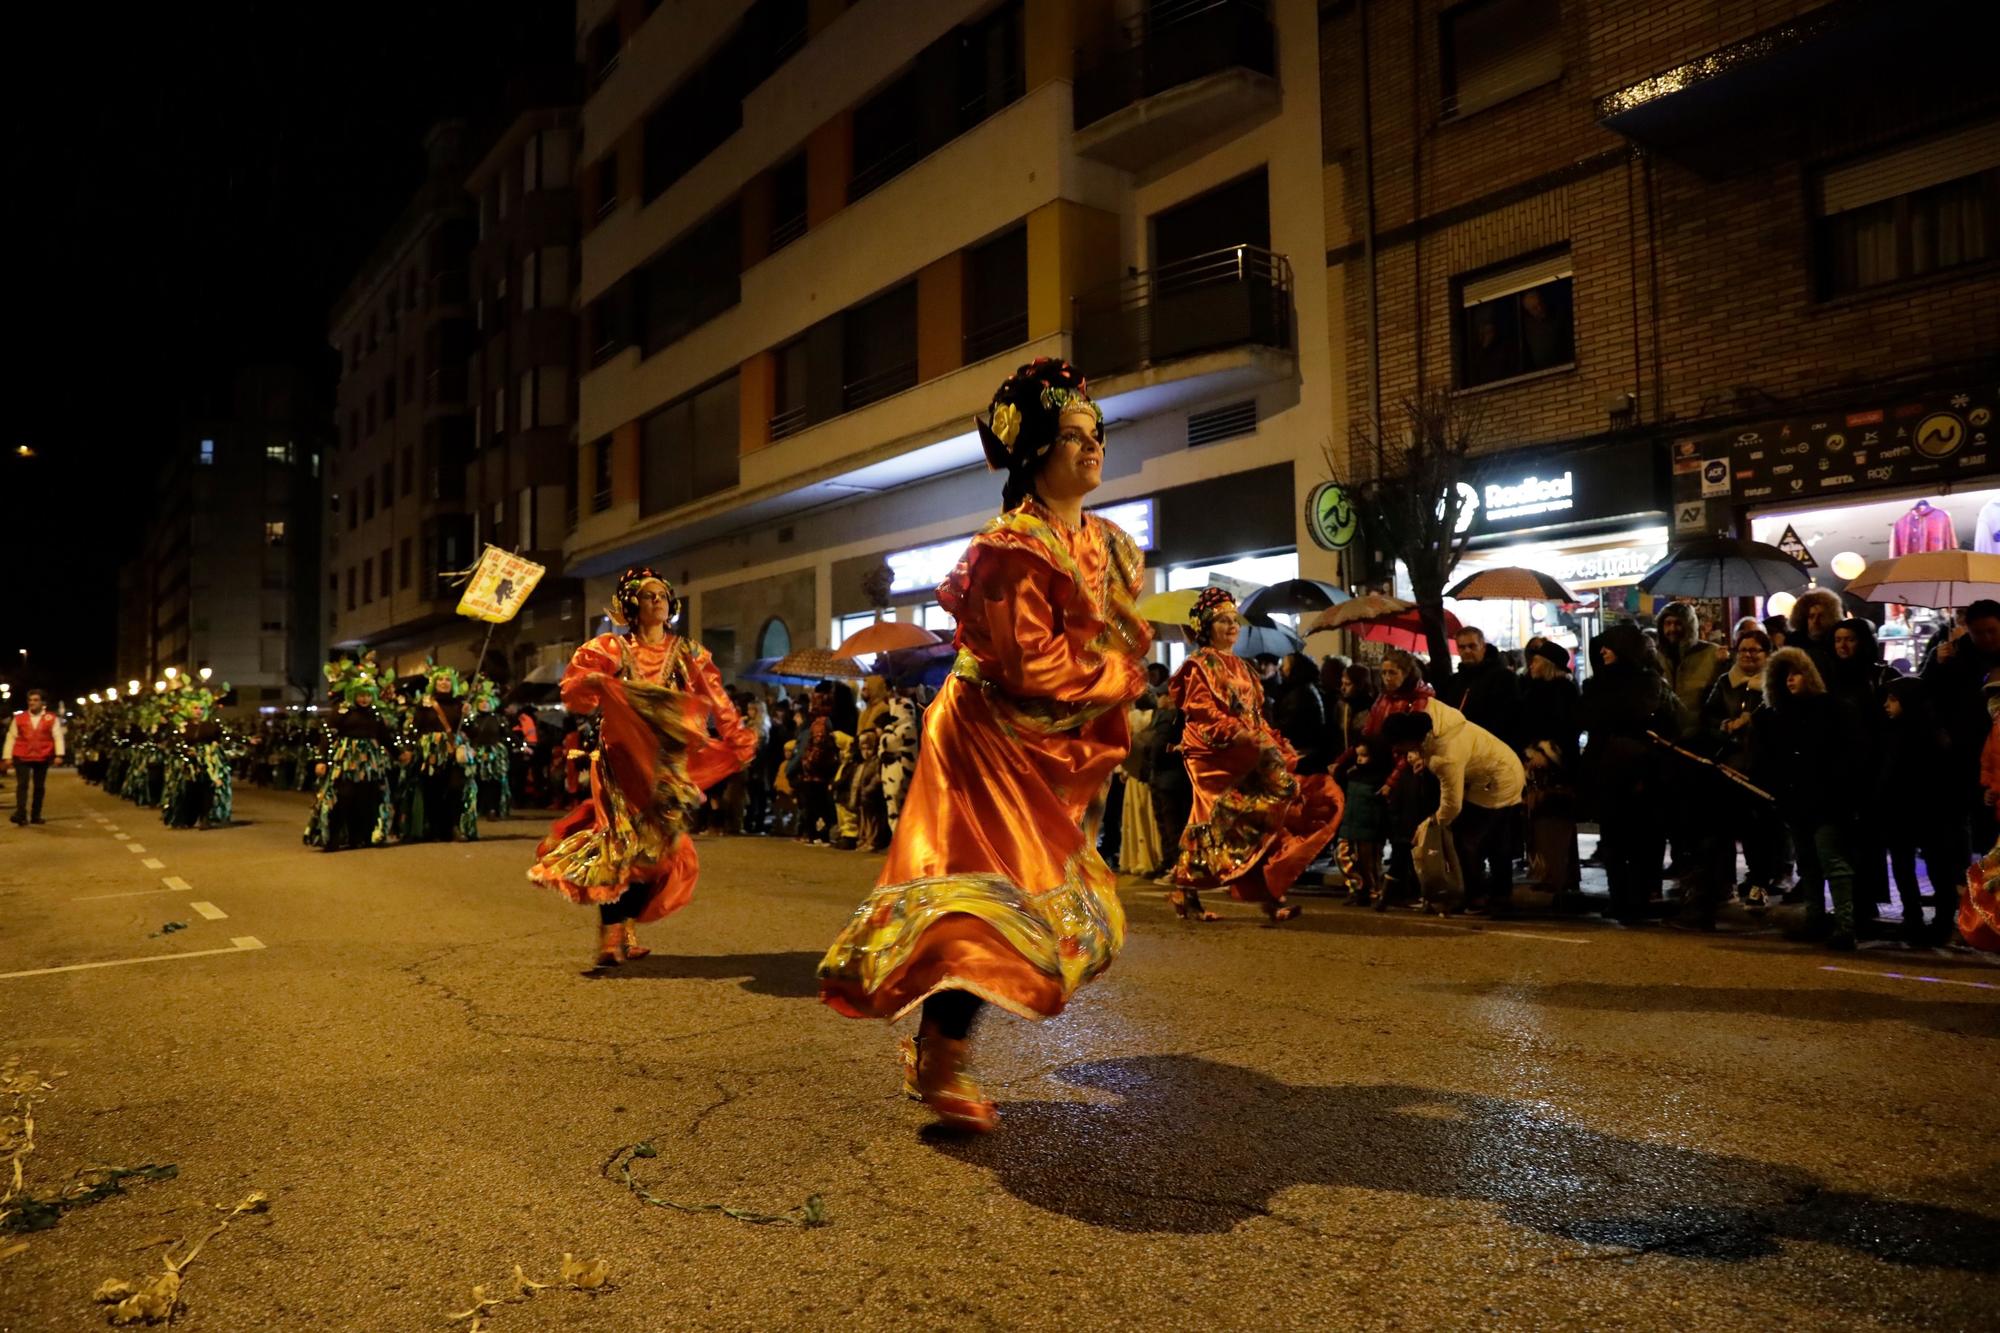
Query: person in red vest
column 34, row 741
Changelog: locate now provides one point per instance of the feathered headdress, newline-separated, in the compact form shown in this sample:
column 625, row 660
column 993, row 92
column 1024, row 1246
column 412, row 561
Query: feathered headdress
column 624, row 608
column 1211, row 603
column 1020, row 423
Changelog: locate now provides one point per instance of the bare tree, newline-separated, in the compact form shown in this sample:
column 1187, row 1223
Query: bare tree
column 1411, row 503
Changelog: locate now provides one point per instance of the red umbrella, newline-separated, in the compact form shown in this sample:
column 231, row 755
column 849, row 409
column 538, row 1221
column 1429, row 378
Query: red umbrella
column 886, row 636
column 1405, row 630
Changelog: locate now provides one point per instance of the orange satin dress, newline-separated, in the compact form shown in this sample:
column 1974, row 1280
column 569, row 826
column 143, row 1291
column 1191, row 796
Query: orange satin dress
column 1256, row 824
column 993, row 883
column 654, row 759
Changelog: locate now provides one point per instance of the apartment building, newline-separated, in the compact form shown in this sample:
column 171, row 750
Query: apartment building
column 522, row 366
column 228, row 575
column 1696, row 266
column 818, row 234
column 398, row 514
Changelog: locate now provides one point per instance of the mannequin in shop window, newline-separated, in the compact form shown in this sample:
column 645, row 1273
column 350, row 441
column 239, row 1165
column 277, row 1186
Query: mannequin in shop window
column 1986, row 534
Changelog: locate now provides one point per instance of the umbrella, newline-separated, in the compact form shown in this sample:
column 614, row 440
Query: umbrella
column 1174, row 608
column 548, row 673
column 817, row 664
column 1293, row 597
column 1255, row 639
column 1405, row 630
column 1370, row 606
column 920, row 666
column 1510, row 583
column 1947, row 579
column 886, row 636
column 763, row 672
column 1724, row 567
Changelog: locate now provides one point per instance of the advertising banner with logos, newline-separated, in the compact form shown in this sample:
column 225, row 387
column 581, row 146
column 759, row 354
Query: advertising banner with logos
column 1508, row 494
column 1937, row 440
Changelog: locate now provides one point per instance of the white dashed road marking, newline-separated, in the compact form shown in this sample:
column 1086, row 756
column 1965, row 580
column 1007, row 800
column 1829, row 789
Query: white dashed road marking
column 1909, row 976
column 241, row 944
column 154, row 863
column 209, row 910
column 135, row 847
column 176, row 883
column 121, row 836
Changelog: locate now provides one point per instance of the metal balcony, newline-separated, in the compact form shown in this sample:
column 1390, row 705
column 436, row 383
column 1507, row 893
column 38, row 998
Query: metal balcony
column 1233, row 297
column 1184, row 72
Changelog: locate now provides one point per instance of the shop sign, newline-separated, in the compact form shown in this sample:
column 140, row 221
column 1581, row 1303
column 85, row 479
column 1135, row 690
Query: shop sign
column 1934, row 440
column 925, row 567
column 1691, row 516
column 1579, row 487
column 1613, row 564
column 1332, row 521
column 1714, row 477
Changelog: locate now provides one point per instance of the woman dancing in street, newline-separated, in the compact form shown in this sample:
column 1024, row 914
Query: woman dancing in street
column 1256, row 824
column 627, row 848
column 994, row 891
column 354, row 807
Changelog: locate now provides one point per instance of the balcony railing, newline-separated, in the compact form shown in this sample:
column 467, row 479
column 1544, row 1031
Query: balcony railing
column 996, row 337
column 787, row 230
column 1178, row 42
column 787, row 423
column 883, row 169
column 873, row 388
column 1226, row 298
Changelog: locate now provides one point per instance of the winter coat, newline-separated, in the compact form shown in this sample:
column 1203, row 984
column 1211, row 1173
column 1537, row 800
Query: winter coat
column 1365, row 816
column 1732, row 695
column 1167, row 774
column 1488, row 694
column 1299, row 715
column 1409, row 699
column 1549, row 712
column 1690, row 667
column 1810, row 756
column 1470, row 763
column 1621, row 703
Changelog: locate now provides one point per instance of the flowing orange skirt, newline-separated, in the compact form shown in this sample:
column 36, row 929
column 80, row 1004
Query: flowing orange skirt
column 1256, row 825
column 993, row 885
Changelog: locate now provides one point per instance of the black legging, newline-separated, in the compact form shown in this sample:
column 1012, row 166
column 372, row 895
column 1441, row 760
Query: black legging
column 950, row 1013
column 627, row 905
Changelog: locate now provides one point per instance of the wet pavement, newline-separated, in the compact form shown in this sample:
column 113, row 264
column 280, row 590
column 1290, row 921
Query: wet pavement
column 1353, row 1121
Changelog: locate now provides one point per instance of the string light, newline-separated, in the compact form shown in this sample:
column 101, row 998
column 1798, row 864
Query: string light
column 173, row 672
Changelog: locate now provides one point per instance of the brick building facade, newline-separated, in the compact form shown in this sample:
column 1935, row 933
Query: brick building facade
column 1692, row 180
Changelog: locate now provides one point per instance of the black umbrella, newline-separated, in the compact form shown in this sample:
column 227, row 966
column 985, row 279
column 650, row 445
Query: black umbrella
column 1293, row 597
column 1724, row 567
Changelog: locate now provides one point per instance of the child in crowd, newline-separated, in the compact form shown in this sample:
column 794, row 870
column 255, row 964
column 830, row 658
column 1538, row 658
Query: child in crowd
column 1364, row 824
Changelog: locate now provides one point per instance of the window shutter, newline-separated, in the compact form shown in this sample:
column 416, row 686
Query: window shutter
column 1516, row 278
column 1909, row 169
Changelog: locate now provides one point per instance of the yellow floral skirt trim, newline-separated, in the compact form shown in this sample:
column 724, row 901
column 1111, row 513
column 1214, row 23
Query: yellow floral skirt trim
column 1070, row 932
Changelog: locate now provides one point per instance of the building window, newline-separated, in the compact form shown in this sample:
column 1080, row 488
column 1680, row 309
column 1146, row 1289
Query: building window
column 600, row 51
column 409, row 378
column 1915, row 210
column 389, row 399
column 790, row 390
column 403, row 564
column 274, row 532
column 409, row 471
column 788, row 214
column 886, row 129
column 388, row 483
column 1515, row 320
column 880, row 347
column 205, row 454
column 607, row 185
column 524, row 518
column 368, row 499
column 1491, row 50
column 695, row 119
column 600, row 471
column 693, row 281
column 775, row 639
column 688, row 449
column 383, row 562
column 846, row 627
column 996, row 295
column 530, row 279
column 351, row 584
column 499, row 413
column 991, row 67
column 367, row 581
column 278, row 453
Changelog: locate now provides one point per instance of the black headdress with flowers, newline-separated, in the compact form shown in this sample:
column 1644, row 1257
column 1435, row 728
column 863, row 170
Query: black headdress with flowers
column 625, row 595
column 1211, row 603
column 1021, row 423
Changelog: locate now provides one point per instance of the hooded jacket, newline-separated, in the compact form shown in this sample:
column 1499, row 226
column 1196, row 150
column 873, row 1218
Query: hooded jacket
column 1621, row 704
column 1811, row 751
column 1470, row 763
column 1690, row 666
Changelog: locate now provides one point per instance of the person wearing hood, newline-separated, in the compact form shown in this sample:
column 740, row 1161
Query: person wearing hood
column 1809, row 751
column 1689, row 662
column 1726, row 716
column 1624, row 700
column 1814, row 617
column 1298, row 713
column 1550, row 703
column 1912, row 806
column 1480, row 781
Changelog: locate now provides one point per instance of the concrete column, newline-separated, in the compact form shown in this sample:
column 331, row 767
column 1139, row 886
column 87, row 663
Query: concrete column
column 757, row 401
column 756, row 210
column 1071, row 248
column 829, row 163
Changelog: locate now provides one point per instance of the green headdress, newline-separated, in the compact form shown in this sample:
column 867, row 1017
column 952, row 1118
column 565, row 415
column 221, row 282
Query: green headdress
column 453, row 682
column 349, row 678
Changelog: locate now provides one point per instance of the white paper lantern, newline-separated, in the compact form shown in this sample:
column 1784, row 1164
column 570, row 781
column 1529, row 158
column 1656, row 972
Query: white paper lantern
column 1849, row 564
column 1780, row 604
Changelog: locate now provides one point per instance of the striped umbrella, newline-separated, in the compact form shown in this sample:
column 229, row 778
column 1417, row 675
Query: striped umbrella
column 1370, row 606
column 1511, row 583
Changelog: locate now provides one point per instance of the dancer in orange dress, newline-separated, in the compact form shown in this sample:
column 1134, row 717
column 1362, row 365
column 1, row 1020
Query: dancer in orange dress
column 994, row 892
column 627, row 848
column 1256, row 824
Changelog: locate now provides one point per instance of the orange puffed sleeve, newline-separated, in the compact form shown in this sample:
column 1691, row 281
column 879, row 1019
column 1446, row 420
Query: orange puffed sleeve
column 1020, row 641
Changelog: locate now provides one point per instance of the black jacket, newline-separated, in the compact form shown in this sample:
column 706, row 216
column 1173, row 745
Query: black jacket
column 1811, row 755
column 1299, row 714
column 1489, row 695
column 1551, row 710
column 1621, row 704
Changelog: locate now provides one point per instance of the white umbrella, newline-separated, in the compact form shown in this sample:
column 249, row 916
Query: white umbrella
column 1940, row 579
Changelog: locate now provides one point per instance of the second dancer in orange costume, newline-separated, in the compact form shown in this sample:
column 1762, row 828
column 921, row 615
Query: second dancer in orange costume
column 627, row 848
column 1256, row 823
column 994, row 892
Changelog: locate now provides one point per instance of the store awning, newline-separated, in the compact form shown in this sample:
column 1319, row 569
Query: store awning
column 1766, row 96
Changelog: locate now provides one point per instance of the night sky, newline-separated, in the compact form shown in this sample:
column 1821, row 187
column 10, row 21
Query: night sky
column 190, row 188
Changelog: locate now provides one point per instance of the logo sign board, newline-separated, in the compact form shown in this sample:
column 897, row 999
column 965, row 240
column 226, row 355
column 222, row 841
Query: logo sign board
column 1691, row 516
column 925, row 567
column 1714, row 477
column 1564, row 490
column 1332, row 520
column 1792, row 546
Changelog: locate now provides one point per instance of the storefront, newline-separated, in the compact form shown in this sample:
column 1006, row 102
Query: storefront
column 1841, row 489
column 1594, row 518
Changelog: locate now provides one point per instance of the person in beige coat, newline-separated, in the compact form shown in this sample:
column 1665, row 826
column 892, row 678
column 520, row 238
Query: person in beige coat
column 1480, row 781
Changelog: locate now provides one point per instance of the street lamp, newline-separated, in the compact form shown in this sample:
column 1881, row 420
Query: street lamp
column 173, row 672
column 159, row 687
column 205, row 672
column 132, row 686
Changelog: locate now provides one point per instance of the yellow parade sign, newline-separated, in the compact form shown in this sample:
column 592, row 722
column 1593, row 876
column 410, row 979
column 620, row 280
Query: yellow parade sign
column 500, row 583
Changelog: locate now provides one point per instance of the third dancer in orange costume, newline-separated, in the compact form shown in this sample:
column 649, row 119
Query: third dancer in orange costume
column 1256, row 823
column 994, row 892
column 627, row 848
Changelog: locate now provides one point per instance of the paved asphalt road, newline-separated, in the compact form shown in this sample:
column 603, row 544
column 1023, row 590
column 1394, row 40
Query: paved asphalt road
column 1350, row 1122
